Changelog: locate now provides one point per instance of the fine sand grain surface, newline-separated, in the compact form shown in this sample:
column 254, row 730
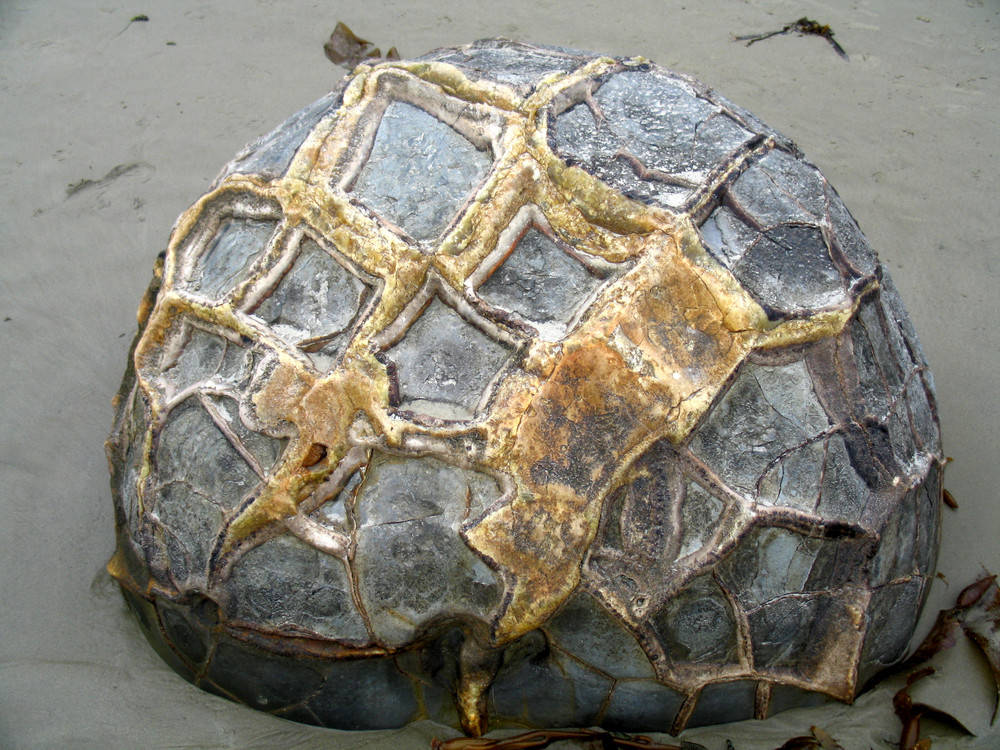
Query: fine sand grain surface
column 111, row 128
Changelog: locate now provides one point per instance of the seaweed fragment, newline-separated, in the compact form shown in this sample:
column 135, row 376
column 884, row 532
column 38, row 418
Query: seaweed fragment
column 977, row 614
column 981, row 623
column 910, row 713
column 545, row 737
column 819, row 740
column 802, row 26
column 347, row 49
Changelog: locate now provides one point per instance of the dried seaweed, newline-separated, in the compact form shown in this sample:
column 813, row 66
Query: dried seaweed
column 141, row 18
column 981, row 622
column 973, row 611
column 977, row 614
column 545, row 737
column 949, row 500
column 819, row 740
column 347, row 49
column 802, row 26
column 910, row 713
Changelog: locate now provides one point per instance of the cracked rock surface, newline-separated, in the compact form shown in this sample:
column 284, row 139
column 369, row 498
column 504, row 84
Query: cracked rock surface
column 521, row 386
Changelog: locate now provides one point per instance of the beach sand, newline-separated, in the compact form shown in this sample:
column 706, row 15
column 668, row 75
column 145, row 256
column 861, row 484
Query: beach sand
column 112, row 127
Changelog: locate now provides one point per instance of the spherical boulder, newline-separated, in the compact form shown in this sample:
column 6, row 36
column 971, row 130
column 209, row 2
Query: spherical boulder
column 520, row 386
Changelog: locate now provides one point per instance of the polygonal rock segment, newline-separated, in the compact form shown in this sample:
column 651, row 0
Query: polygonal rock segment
column 847, row 239
column 699, row 514
column 315, row 304
column 698, row 625
column 781, row 630
column 928, row 511
column 816, row 637
column 843, row 494
column 199, row 361
column 784, row 697
column 205, row 359
column 917, row 418
column 652, row 497
column 411, row 563
column 188, row 523
column 795, row 480
column 284, row 583
column 263, row 681
column 654, row 140
column 444, row 364
column 519, row 65
column 317, row 296
column 781, row 188
column 539, row 281
column 189, row 628
column 204, row 468
column 904, row 337
column 589, row 632
column 258, row 450
column 639, row 536
column 128, row 477
column 883, row 363
column 333, row 513
column 435, row 668
column 898, row 538
column 420, row 171
column 194, row 452
column 891, row 372
column 723, row 702
column 641, row 703
column 271, row 155
column 767, row 420
column 353, row 686
column 788, row 270
column 538, row 685
column 727, row 237
column 227, row 259
column 889, row 624
column 772, row 562
column 669, row 128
